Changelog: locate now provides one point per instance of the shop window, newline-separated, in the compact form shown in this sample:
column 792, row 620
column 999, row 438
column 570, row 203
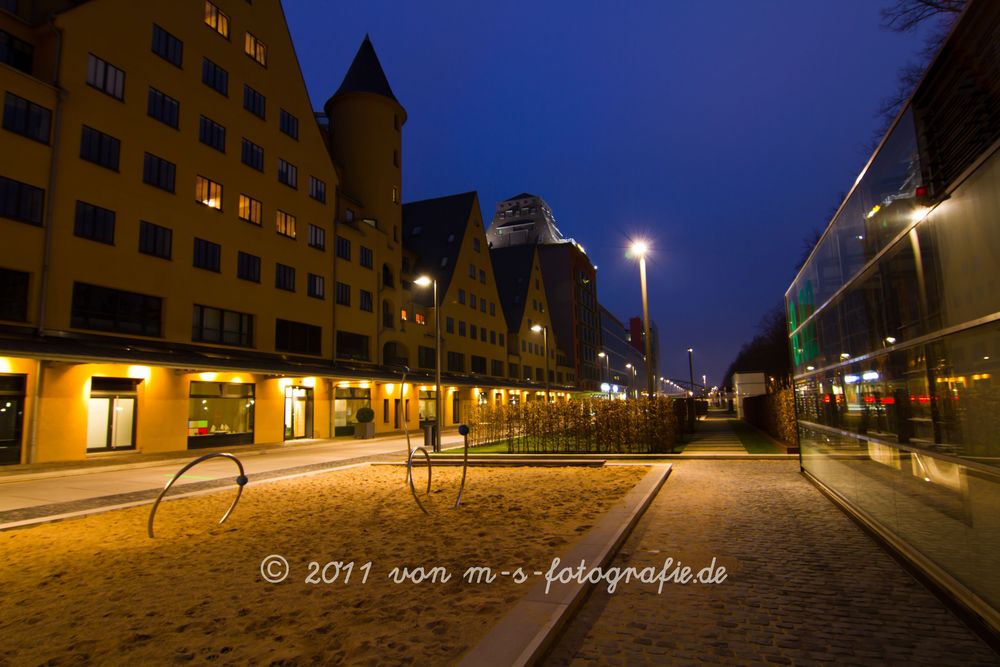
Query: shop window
column 220, row 414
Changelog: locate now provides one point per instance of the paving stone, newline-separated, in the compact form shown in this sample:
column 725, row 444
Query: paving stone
column 804, row 584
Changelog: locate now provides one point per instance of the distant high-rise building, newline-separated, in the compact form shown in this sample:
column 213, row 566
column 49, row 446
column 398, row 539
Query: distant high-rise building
column 637, row 338
column 570, row 279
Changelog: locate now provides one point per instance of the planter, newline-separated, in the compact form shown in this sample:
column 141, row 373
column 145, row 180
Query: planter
column 365, row 430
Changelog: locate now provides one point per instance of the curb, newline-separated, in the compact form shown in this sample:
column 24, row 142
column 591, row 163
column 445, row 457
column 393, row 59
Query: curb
column 527, row 631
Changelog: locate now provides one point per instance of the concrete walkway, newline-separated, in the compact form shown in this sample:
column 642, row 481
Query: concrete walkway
column 804, row 585
column 713, row 436
column 47, row 492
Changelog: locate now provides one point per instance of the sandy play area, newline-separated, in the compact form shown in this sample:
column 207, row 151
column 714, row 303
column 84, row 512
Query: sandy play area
column 96, row 590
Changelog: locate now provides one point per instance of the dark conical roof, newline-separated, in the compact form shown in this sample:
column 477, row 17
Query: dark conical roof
column 365, row 74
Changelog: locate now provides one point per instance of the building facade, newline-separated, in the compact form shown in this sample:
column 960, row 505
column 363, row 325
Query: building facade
column 893, row 327
column 624, row 366
column 193, row 258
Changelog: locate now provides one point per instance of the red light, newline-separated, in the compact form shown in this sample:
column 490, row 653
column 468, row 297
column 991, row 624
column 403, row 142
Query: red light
column 888, row 400
column 826, row 398
column 921, row 191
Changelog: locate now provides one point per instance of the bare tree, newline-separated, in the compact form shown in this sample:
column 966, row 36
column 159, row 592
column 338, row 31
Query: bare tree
column 906, row 15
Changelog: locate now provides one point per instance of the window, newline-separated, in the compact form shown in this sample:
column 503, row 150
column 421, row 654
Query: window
column 493, row 337
column 99, row 148
column 15, row 52
column 461, row 327
column 207, row 255
column 426, row 357
column 472, row 271
column 248, row 267
column 288, row 124
column 94, row 223
column 250, row 209
column 284, row 277
column 343, row 248
column 496, row 368
column 344, row 295
column 253, row 101
column 21, row 202
column 284, row 224
column 208, row 192
column 26, row 118
column 212, row 134
column 352, row 346
column 216, row 19
column 482, row 334
column 317, row 189
column 255, row 48
column 105, row 309
column 158, row 172
column 449, row 325
column 155, row 240
column 105, row 77
column 167, row 46
column 476, row 245
column 512, row 370
column 395, row 196
column 316, row 286
column 252, row 155
column 493, row 309
column 473, row 331
column 288, row 174
column 367, row 258
column 162, row 107
column 214, row 77
column 482, row 305
column 500, row 338
column 317, row 237
column 524, row 345
column 461, row 296
column 13, row 295
column 227, row 327
column 482, row 276
column 477, row 364
column 298, row 337
column 456, row 362
column 472, row 301
column 366, row 301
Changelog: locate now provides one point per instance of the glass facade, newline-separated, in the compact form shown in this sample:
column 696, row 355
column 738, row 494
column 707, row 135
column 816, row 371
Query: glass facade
column 896, row 349
column 347, row 402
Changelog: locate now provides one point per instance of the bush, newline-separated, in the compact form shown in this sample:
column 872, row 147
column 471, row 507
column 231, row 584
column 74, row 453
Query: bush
column 637, row 426
column 365, row 415
column 774, row 414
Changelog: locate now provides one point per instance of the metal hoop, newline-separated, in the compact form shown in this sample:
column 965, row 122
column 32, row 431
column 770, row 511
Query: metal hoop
column 241, row 481
column 464, row 430
column 409, row 475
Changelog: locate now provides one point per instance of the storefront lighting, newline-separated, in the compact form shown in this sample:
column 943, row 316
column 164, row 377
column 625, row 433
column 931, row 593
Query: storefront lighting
column 870, row 376
column 850, row 379
column 5, row 365
column 139, row 372
column 208, row 377
column 390, row 389
column 309, row 382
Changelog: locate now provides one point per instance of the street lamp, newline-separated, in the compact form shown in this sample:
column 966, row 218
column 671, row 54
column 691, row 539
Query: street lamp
column 704, row 384
column 424, row 281
column 639, row 249
column 691, row 368
column 632, row 381
column 607, row 362
column 545, row 339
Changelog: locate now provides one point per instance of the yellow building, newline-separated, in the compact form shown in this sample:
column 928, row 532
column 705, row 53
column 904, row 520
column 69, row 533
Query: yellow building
column 189, row 259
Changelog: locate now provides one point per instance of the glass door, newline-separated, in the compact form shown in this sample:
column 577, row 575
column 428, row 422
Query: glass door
column 298, row 412
column 11, row 418
column 111, row 414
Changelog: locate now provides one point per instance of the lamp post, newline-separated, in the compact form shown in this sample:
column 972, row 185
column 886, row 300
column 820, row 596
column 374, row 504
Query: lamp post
column 639, row 249
column 545, row 340
column 691, row 368
column 632, row 380
column 607, row 362
column 424, row 281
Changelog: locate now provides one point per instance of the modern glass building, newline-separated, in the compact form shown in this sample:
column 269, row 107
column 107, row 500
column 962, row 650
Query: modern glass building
column 894, row 325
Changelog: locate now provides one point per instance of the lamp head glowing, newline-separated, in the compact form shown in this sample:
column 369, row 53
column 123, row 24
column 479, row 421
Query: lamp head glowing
column 423, row 281
column 537, row 328
column 690, row 349
column 601, row 355
column 628, row 365
column 639, row 248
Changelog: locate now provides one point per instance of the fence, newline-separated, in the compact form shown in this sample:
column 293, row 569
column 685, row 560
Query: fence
column 640, row 426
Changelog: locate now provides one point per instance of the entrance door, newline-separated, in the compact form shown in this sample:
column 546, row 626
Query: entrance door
column 11, row 418
column 298, row 412
column 111, row 423
column 395, row 413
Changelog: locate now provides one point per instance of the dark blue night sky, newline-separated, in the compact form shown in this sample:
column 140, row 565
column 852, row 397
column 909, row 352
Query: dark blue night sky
column 721, row 131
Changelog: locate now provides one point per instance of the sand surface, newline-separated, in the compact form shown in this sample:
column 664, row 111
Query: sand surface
column 96, row 590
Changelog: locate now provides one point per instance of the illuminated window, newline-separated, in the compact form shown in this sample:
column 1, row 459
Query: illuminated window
column 256, row 49
column 216, row 19
column 395, row 195
column 420, row 319
column 250, row 209
column 402, row 315
column 208, row 192
column 285, row 224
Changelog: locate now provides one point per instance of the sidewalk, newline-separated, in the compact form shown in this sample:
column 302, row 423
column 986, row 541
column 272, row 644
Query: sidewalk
column 804, row 584
column 49, row 491
column 714, row 436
